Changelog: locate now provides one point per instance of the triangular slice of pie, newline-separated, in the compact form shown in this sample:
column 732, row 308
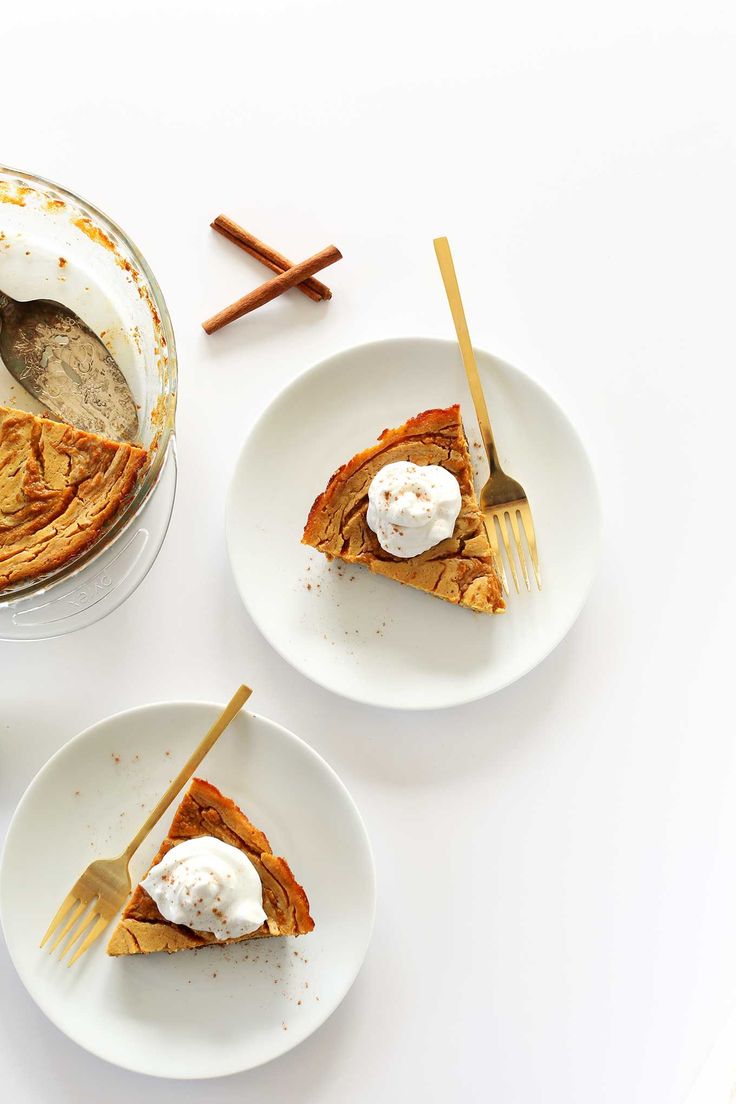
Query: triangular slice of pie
column 460, row 569
column 204, row 811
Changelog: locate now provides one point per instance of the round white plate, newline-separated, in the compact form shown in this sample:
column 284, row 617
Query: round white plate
column 200, row 1013
column 367, row 637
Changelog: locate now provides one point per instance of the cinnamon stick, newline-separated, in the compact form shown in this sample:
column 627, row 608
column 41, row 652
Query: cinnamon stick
column 271, row 258
column 272, row 288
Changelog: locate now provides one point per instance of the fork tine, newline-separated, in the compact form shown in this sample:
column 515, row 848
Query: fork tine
column 497, row 561
column 69, row 901
column 76, row 913
column 96, row 931
column 525, row 514
column 509, row 555
column 519, row 546
column 84, row 927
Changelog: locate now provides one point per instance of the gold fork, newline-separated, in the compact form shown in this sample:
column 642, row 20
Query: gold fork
column 105, row 884
column 502, row 500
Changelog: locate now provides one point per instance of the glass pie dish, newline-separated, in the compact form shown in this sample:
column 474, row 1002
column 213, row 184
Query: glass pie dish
column 54, row 245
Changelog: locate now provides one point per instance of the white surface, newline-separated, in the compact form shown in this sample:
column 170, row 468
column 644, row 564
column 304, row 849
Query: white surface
column 365, row 636
column 586, row 815
column 254, row 1001
column 716, row 1082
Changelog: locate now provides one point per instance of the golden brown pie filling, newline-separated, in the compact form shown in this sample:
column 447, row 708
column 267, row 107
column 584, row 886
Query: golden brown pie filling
column 59, row 487
column 460, row 569
column 204, row 811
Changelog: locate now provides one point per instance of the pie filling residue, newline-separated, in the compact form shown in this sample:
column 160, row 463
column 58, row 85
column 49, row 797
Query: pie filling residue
column 209, row 886
column 412, row 507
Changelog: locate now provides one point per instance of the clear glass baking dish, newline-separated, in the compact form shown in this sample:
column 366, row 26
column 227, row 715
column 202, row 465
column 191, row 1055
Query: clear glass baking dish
column 54, row 245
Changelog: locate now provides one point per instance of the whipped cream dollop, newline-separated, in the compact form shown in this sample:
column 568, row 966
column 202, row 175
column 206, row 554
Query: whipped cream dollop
column 208, row 885
column 412, row 507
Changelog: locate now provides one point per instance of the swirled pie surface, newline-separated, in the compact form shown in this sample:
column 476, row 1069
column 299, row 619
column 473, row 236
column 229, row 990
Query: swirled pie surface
column 59, row 487
column 460, row 569
column 204, row 811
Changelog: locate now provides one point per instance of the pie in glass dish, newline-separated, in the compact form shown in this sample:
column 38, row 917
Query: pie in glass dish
column 59, row 487
column 460, row 569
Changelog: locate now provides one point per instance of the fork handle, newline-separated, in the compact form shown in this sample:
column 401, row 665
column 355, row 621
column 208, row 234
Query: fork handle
column 452, row 290
column 230, row 711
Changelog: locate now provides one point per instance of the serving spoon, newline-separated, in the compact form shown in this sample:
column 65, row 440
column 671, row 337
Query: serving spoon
column 59, row 360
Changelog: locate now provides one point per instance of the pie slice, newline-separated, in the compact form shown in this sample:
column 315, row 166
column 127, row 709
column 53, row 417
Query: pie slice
column 460, row 569
column 59, row 487
column 204, row 811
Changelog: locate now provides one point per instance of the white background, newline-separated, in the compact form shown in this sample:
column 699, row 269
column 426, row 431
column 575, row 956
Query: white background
column 557, row 914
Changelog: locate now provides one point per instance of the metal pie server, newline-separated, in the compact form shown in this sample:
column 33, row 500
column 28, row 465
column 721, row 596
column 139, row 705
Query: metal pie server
column 58, row 359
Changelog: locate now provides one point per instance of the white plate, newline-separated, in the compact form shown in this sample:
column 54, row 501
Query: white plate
column 367, row 637
column 208, row 1012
